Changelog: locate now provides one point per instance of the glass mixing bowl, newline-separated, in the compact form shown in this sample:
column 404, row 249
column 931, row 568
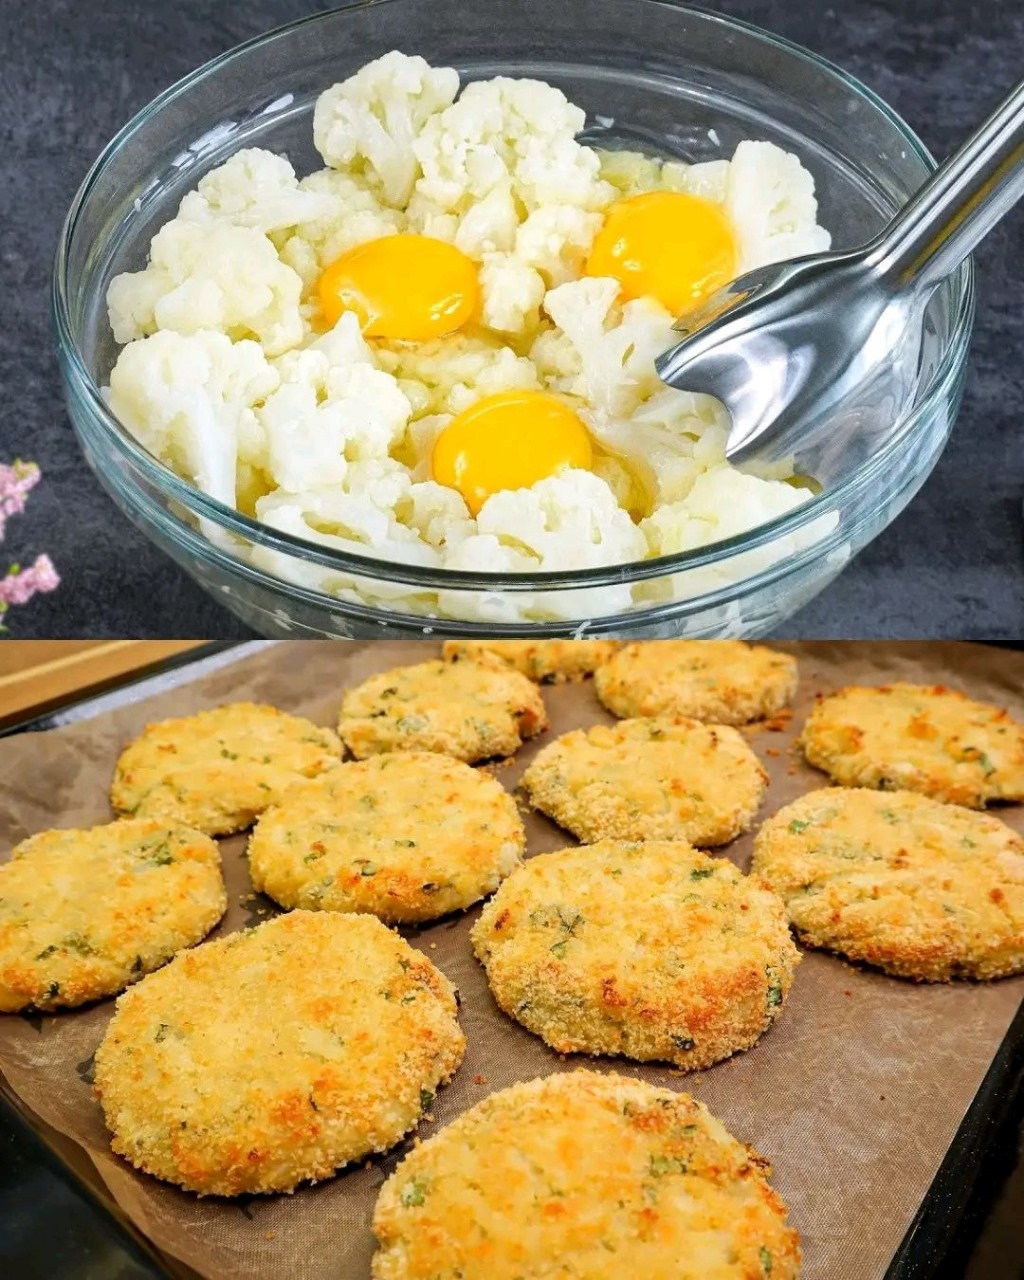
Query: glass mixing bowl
column 651, row 75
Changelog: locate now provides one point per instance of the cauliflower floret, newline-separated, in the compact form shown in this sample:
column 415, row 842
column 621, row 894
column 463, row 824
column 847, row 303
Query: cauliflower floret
column 190, row 401
column 608, row 360
column 500, row 131
column 210, row 277
column 438, row 514
column 556, row 241
column 328, row 413
column 256, row 189
column 510, row 294
column 769, row 199
column 351, row 215
column 449, row 374
column 368, row 123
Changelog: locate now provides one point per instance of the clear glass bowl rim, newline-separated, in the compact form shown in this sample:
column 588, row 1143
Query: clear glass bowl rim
column 175, row 489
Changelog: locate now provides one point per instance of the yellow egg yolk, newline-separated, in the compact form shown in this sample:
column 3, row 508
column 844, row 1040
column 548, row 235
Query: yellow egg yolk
column 508, row 441
column 667, row 245
column 413, row 288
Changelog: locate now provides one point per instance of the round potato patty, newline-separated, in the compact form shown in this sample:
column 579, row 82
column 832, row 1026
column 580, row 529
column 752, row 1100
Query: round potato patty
column 653, row 951
column 407, row 836
column 545, row 661
column 921, row 889
column 583, row 1175
column 469, row 710
column 649, row 780
column 277, row 1054
column 924, row 738
column 218, row 770
column 83, row 913
column 722, row 681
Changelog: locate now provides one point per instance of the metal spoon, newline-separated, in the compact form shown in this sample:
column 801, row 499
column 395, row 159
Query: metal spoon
column 808, row 350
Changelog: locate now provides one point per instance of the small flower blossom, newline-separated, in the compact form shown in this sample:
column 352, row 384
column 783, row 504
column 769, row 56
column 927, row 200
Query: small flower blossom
column 15, row 483
column 20, row 586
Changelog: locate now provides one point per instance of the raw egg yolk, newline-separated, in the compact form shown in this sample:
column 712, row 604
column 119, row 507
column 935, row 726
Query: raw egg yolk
column 408, row 287
column 508, row 441
column 667, row 245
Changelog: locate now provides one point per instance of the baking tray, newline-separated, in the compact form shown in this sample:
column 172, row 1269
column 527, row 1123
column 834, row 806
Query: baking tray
column 960, row 1193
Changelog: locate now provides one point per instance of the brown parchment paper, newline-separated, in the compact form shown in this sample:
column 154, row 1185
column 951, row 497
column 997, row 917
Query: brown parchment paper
column 855, row 1094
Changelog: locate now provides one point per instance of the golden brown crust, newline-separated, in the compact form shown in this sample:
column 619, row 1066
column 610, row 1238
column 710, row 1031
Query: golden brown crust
column 469, row 710
column 408, row 836
column 652, row 951
column 83, row 913
column 921, row 889
column 544, row 661
column 598, row 1177
column 721, row 681
column 277, row 1055
column 218, row 770
column 924, row 738
column 649, row 780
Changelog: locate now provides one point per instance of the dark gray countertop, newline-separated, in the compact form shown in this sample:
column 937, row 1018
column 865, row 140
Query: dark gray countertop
column 72, row 73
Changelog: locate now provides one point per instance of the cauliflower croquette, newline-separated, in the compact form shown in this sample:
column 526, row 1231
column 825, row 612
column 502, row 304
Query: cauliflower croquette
column 912, row 737
column 545, row 661
column 407, row 836
column 277, row 1055
column 894, row 879
column 84, row 913
column 649, row 780
column 597, row 1177
column 652, row 951
column 469, row 710
column 722, row 681
column 218, row 770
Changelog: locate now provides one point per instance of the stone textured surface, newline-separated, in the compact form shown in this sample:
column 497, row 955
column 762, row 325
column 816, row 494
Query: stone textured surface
column 72, row 73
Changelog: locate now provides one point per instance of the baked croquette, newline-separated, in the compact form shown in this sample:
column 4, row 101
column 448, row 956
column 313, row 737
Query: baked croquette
column 83, row 913
column 894, row 879
column 721, row 681
column 597, row 1177
column 913, row 737
column 277, row 1055
column 649, row 780
column 545, row 661
column 218, row 770
column 469, row 710
column 407, row 836
column 653, row 951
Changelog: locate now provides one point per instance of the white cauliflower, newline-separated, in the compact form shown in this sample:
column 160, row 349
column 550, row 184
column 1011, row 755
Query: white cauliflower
column 368, row 123
column 350, row 214
column 556, row 241
column 511, row 294
column 190, row 400
column 218, row 277
column 449, row 374
column 769, row 198
column 256, row 189
column 332, row 408
column 500, row 131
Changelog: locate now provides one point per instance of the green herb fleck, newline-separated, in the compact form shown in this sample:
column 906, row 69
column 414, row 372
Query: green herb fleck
column 683, row 1042
column 702, row 873
column 79, row 944
column 368, row 869
column 413, row 1194
column 558, row 949
column 986, row 764
column 313, row 855
column 766, row 1260
column 426, row 1098
column 798, row 825
column 405, row 844
column 774, row 998
column 228, row 755
column 45, row 954
column 162, row 1032
column 662, row 1165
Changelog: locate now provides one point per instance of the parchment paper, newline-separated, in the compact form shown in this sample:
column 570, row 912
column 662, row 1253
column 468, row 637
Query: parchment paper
column 855, row 1094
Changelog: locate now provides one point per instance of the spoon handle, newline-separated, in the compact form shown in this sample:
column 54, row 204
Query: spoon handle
column 961, row 202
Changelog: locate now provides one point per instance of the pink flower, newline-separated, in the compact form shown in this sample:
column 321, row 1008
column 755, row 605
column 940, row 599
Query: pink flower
column 15, row 483
column 20, row 587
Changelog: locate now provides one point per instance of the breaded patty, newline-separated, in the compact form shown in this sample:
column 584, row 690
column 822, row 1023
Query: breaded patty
column 469, row 710
column 652, row 951
column 545, row 661
column 85, row 913
column 594, row 1177
column 277, row 1054
column 649, row 780
column 722, row 681
column 218, row 770
column 407, row 836
column 921, row 889
column 924, row 738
